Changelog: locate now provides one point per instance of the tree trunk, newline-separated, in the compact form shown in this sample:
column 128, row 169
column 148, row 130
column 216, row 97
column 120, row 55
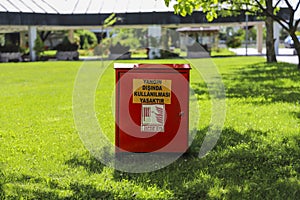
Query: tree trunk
column 271, row 56
column 296, row 45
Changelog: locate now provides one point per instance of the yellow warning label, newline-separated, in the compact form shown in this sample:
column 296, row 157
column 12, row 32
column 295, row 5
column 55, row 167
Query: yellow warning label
column 152, row 91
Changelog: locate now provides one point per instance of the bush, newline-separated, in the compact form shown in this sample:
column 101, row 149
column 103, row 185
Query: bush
column 168, row 54
column 233, row 42
column 2, row 177
column 119, row 49
column 103, row 47
column 66, row 45
column 39, row 46
column 128, row 37
column 86, row 44
column 87, row 39
column 9, row 48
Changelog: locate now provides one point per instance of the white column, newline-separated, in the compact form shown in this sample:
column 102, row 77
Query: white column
column 155, row 32
column 32, row 35
column 259, row 37
column 276, row 37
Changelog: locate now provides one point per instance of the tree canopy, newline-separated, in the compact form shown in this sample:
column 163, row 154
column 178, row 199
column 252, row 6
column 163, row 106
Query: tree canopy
column 215, row 8
column 266, row 8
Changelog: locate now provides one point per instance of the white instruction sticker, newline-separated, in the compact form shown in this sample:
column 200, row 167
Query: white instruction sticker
column 153, row 118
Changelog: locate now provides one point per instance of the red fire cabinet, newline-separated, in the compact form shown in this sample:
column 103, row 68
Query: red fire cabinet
column 152, row 104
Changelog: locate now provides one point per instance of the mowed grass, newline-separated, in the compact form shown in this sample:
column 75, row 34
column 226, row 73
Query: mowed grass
column 256, row 157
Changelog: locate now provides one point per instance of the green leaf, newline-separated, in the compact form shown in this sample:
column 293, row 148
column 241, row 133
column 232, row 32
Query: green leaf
column 210, row 16
column 183, row 12
column 189, row 9
column 167, row 3
column 111, row 20
column 276, row 10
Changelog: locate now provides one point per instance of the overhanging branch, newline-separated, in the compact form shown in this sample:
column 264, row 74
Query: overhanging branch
column 298, row 4
column 289, row 5
column 297, row 23
column 278, row 19
column 277, row 3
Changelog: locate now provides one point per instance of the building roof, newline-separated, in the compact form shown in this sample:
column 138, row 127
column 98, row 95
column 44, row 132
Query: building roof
column 83, row 6
column 17, row 15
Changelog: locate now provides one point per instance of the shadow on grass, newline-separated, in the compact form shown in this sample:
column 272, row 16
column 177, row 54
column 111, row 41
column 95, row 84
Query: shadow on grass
column 296, row 114
column 242, row 165
column 2, row 179
column 51, row 187
column 90, row 164
column 264, row 81
column 88, row 191
column 53, row 190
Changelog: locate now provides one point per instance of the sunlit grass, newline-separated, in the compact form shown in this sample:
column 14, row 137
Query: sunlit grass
column 221, row 52
column 257, row 155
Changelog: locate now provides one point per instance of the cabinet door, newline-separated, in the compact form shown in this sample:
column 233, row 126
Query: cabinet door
column 152, row 111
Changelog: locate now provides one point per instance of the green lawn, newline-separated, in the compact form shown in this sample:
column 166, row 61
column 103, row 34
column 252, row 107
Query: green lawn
column 222, row 52
column 256, row 157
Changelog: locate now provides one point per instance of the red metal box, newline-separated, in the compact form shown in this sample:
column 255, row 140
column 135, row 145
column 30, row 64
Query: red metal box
column 152, row 104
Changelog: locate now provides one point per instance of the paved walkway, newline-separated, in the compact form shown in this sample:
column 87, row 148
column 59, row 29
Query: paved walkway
column 285, row 54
